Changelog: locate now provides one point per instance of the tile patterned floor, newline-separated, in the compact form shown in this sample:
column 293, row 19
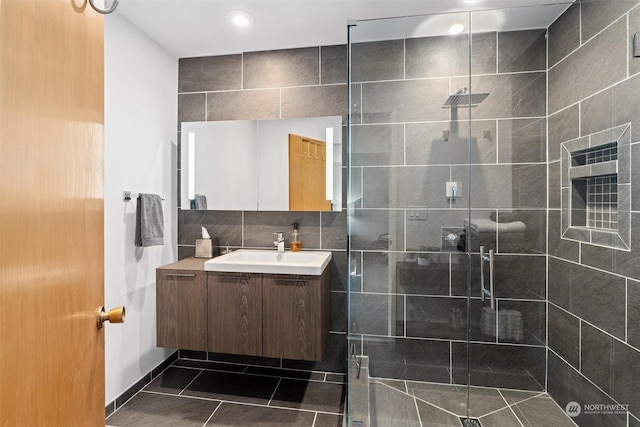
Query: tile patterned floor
column 198, row 393
column 395, row 403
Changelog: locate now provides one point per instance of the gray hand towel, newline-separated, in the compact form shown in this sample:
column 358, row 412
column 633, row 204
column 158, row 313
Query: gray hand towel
column 149, row 220
column 201, row 201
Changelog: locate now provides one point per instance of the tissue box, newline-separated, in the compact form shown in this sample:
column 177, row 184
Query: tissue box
column 204, row 248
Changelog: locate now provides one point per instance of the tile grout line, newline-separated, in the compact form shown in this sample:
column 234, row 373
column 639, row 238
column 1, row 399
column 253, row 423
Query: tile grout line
column 212, row 414
column 190, row 382
column 274, row 391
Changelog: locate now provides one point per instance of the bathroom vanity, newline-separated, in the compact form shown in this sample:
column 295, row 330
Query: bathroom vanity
column 243, row 312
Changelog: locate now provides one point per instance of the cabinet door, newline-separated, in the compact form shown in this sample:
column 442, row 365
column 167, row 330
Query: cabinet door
column 235, row 313
column 181, row 306
column 293, row 322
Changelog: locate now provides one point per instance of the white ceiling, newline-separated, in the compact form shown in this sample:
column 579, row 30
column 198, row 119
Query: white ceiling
column 189, row 28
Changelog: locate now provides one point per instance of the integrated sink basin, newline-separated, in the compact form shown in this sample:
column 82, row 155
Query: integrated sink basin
column 271, row 262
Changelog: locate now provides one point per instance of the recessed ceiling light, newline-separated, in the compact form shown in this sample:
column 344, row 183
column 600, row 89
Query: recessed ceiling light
column 456, row 29
column 241, row 18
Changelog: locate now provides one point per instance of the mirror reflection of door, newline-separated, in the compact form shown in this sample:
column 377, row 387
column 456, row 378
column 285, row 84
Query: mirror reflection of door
column 307, row 174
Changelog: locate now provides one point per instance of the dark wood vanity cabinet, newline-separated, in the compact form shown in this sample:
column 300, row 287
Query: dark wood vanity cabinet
column 295, row 317
column 181, row 305
column 235, row 313
column 279, row 316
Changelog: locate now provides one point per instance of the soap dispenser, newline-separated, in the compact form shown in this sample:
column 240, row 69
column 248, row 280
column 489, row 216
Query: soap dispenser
column 295, row 243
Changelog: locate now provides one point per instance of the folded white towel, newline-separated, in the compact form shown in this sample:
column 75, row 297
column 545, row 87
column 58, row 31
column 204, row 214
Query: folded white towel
column 488, row 226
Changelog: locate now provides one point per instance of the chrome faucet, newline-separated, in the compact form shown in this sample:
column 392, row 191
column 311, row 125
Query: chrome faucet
column 279, row 243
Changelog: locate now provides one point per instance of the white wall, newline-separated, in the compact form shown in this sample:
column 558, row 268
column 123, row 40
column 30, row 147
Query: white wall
column 140, row 151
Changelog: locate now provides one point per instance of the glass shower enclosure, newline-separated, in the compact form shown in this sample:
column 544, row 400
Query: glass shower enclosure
column 447, row 198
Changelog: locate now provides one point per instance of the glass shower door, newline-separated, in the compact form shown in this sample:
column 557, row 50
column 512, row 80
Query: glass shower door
column 411, row 144
column 447, row 206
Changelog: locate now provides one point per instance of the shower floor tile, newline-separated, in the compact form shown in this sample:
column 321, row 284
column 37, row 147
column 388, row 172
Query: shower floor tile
column 441, row 405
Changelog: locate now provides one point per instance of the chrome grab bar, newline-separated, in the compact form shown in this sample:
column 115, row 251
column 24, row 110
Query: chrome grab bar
column 484, row 292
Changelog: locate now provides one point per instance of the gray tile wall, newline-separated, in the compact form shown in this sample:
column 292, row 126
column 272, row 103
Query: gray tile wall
column 266, row 85
column 411, row 318
column 594, row 350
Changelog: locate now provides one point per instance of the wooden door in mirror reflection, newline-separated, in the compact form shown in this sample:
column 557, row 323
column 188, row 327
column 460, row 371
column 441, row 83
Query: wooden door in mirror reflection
column 51, row 213
column 307, row 174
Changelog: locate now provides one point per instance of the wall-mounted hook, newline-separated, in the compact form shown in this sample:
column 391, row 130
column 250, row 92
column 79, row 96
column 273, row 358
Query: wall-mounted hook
column 104, row 11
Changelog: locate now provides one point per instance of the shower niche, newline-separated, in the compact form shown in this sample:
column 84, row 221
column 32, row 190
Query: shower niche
column 596, row 199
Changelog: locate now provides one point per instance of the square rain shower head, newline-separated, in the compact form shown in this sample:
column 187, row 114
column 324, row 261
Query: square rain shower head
column 464, row 100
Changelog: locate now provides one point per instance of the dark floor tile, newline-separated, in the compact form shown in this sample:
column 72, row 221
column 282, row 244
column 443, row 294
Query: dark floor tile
column 433, row 416
column 389, row 407
column 173, row 380
column 335, row 378
column 234, row 387
column 541, row 411
column 502, row 418
column 285, row 373
column 213, row 366
column 328, row 420
column 311, row 395
column 192, row 354
column 230, row 414
column 517, row 396
column 452, row 398
column 159, row 410
column 165, row 364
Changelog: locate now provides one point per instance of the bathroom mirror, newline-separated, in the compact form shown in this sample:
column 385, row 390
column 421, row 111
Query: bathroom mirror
column 244, row 164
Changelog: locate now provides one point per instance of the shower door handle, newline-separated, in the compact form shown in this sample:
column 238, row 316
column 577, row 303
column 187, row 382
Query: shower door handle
column 483, row 291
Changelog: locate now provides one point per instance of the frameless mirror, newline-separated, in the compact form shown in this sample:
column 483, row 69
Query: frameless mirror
column 244, row 164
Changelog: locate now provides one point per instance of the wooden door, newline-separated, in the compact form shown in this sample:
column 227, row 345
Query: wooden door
column 51, row 213
column 307, row 174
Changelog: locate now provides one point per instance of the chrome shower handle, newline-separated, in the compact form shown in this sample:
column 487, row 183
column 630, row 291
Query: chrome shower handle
column 483, row 291
column 492, row 280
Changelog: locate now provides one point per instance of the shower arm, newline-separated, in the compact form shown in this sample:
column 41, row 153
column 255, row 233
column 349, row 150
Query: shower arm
column 484, row 292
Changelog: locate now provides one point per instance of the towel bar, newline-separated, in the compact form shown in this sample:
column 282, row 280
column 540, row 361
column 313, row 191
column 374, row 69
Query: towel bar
column 127, row 195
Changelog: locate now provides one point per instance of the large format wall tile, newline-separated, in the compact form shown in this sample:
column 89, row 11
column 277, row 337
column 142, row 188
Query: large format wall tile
column 404, row 101
column 260, row 227
column 566, row 385
column 598, row 112
column 405, row 186
column 444, row 56
column 192, row 107
column 598, row 14
column 522, row 51
column 589, row 294
column 634, row 25
column 243, row 105
column 494, row 365
column 626, row 370
column 603, row 60
column 426, row 144
column 210, row 73
column 633, row 312
column 563, row 126
column 372, row 61
column 314, row 101
column 333, row 64
column 564, row 335
column 409, row 359
column 564, row 34
column 369, row 313
column 226, row 226
column 377, row 229
column 377, row 145
column 596, row 352
column 522, row 140
column 281, row 68
column 510, row 95
column 505, row 186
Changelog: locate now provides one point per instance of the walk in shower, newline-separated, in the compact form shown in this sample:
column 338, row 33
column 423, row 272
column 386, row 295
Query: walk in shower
column 469, row 273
